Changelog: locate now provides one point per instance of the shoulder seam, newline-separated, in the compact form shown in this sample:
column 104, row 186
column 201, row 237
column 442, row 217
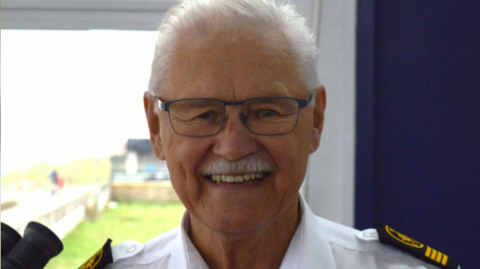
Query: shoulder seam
column 408, row 257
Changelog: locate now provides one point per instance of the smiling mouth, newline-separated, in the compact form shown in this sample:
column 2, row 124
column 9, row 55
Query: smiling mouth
column 236, row 179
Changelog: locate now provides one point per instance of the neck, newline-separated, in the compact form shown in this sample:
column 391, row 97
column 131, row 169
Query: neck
column 261, row 247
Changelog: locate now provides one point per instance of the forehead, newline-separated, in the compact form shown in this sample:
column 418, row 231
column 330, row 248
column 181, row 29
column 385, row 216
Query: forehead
column 231, row 66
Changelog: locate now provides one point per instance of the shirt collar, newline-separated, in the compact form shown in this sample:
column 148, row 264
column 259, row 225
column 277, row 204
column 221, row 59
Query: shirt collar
column 309, row 247
column 179, row 257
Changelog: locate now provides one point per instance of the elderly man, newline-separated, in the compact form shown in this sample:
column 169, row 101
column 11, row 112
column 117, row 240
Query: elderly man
column 234, row 108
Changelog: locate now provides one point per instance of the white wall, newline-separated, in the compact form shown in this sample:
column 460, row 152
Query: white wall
column 329, row 182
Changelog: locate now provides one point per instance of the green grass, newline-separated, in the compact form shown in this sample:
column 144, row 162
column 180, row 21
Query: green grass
column 129, row 221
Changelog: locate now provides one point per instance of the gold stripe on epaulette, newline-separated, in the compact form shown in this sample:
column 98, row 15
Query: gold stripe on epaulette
column 445, row 259
column 429, row 251
column 434, row 255
column 439, row 257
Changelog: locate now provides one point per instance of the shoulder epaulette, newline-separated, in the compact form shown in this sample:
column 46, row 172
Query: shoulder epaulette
column 100, row 259
column 391, row 237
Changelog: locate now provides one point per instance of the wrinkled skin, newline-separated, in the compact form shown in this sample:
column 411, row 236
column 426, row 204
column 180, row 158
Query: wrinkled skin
column 231, row 221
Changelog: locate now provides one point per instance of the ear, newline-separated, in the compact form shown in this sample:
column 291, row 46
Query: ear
column 149, row 102
column 318, row 117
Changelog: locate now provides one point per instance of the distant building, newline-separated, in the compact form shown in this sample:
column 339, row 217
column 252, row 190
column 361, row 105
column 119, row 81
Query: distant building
column 138, row 163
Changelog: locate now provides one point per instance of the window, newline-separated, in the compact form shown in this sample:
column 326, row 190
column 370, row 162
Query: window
column 71, row 94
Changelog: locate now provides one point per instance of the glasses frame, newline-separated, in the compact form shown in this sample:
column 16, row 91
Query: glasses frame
column 165, row 106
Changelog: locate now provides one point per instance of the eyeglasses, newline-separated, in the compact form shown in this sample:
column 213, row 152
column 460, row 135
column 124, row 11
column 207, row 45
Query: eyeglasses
column 199, row 117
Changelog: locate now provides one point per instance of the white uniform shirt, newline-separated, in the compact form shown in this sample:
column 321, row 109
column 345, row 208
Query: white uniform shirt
column 317, row 243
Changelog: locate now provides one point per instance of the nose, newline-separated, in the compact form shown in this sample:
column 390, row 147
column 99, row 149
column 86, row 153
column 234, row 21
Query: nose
column 234, row 141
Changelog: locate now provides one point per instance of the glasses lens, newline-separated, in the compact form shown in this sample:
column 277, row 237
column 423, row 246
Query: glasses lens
column 196, row 117
column 271, row 115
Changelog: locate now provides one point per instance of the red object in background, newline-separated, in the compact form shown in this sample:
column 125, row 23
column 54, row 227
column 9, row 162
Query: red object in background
column 60, row 182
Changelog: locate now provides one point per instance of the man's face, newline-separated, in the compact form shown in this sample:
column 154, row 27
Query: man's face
column 235, row 71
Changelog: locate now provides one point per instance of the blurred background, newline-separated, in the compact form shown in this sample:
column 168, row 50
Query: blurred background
column 400, row 142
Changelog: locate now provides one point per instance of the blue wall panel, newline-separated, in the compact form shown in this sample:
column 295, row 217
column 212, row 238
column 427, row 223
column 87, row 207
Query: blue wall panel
column 426, row 123
column 364, row 209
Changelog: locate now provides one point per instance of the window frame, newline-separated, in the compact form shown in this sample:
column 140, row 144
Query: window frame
column 84, row 15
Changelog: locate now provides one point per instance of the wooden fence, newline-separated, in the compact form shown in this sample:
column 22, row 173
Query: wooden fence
column 61, row 213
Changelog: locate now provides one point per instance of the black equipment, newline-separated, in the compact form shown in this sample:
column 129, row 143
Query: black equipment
column 10, row 238
column 38, row 245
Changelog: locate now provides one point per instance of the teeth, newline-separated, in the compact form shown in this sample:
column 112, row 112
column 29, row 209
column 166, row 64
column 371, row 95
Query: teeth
column 236, row 178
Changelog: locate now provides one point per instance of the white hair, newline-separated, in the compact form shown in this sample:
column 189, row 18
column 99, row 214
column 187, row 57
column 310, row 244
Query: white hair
column 204, row 17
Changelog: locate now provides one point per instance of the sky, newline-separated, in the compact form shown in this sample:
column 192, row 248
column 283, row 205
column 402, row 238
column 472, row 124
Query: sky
column 71, row 94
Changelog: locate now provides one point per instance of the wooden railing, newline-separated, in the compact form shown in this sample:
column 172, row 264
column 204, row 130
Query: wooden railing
column 61, row 213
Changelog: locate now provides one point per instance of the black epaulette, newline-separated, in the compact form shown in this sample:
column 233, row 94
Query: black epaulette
column 100, row 259
column 391, row 237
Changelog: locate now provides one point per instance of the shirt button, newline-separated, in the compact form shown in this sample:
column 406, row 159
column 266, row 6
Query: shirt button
column 131, row 249
column 367, row 234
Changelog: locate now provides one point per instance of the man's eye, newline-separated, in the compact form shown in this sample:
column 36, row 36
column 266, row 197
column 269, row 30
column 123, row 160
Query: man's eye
column 205, row 116
column 209, row 115
column 267, row 113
